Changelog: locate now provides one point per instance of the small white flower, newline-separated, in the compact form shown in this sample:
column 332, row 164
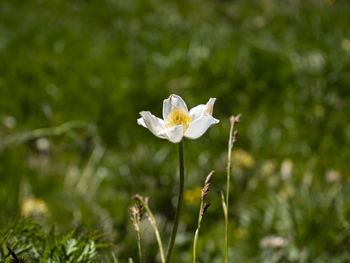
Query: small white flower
column 177, row 121
column 273, row 242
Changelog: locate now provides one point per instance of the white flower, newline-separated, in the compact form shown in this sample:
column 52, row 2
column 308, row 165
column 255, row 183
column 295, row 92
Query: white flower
column 177, row 121
column 273, row 242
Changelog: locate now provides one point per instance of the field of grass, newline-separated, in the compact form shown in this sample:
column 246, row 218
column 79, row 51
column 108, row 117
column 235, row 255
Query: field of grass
column 74, row 76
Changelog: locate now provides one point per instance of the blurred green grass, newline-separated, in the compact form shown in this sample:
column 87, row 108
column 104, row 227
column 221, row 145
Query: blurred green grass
column 283, row 65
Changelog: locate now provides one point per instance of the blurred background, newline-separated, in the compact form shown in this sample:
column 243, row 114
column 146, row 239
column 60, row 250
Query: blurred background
column 75, row 74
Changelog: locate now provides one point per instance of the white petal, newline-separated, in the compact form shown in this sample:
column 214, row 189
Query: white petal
column 210, row 107
column 175, row 133
column 154, row 124
column 174, row 101
column 198, row 127
column 197, row 112
column 141, row 122
column 202, row 110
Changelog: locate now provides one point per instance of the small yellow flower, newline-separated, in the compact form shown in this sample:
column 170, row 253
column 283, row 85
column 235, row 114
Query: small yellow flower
column 243, row 159
column 33, row 206
column 345, row 44
column 192, row 196
column 238, row 232
column 330, row 2
column 268, row 168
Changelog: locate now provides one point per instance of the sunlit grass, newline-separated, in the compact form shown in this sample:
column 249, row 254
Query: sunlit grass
column 283, row 64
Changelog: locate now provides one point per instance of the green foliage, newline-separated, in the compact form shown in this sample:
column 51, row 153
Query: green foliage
column 30, row 242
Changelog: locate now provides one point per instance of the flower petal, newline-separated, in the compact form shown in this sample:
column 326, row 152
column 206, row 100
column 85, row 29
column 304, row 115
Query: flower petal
column 175, row 133
column 154, row 124
column 174, row 101
column 197, row 112
column 198, row 127
column 201, row 110
column 141, row 122
column 210, row 106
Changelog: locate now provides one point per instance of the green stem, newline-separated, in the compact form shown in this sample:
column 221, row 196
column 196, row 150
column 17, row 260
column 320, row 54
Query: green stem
column 155, row 228
column 139, row 239
column 179, row 203
column 21, row 137
column 230, row 144
column 195, row 245
column 197, row 231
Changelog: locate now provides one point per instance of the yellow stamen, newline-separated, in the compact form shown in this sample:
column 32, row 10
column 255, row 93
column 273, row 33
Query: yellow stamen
column 178, row 117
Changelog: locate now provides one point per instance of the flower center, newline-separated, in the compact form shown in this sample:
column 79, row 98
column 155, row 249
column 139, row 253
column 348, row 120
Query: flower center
column 178, row 117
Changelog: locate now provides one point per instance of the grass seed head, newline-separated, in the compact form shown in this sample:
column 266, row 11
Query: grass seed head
column 205, row 189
